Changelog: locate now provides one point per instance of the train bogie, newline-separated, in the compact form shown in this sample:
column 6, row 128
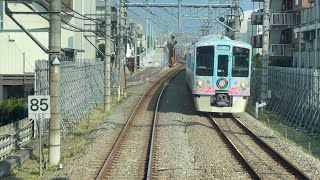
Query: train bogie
column 231, row 104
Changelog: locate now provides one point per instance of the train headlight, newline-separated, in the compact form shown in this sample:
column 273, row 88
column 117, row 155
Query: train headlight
column 243, row 85
column 200, row 83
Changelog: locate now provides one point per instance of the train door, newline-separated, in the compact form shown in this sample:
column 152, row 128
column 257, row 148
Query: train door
column 222, row 74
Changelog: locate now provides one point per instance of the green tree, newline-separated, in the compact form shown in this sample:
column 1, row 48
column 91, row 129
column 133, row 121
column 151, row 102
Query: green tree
column 257, row 61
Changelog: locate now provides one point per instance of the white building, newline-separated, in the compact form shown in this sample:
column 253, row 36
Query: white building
column 19, row 52
column 247, row 31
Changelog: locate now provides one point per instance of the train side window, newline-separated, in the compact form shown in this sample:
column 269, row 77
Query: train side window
column 205, row 61
column 240, row 62
column 223, row 65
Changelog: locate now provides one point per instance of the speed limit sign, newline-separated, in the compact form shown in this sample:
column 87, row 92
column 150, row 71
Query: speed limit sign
column 38, row 107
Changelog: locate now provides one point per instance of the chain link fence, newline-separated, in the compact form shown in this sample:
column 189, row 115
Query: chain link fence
column 81, row 87
column 295, row 95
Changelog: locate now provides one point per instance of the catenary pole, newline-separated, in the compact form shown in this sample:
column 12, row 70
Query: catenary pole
column 316, row 16
column 122, row 48
column 236, row 19
column 179, row 13
column 107, row 90
column 265, row 51
column 135, row 47
column 54, row 75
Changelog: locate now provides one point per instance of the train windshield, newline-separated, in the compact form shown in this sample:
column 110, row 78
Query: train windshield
column 223, row 65
column 240, row 62
column 205, row 61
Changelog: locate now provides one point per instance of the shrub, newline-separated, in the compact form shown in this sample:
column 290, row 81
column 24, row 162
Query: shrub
column 282, row 61
column 12, row 110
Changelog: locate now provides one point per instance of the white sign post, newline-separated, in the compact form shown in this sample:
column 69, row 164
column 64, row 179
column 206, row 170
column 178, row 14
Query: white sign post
column 38, row 109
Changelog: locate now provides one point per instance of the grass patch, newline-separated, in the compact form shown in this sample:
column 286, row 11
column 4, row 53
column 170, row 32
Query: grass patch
column 73, row 143
column 286, row 131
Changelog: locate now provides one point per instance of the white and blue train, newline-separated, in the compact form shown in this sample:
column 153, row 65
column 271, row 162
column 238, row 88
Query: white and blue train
column 218, row 74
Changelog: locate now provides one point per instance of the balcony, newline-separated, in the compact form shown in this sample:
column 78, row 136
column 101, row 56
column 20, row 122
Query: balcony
column 281, row 50
column 308, row 15
column 282, row 19
column 257, row 18
column 256, row 41
column 312, row 1
column 309, row 35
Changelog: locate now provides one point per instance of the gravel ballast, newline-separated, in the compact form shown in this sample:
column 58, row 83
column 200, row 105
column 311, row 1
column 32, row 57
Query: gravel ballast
column 188, row 147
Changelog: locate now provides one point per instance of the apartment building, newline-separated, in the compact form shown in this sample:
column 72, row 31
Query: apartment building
column 19, row 52
column 284, row 18
column 308, row 55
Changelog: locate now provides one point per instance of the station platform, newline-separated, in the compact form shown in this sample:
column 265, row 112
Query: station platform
column 151, row 65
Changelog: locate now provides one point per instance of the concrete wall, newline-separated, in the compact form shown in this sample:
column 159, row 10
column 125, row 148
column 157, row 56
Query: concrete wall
column 84, row 7
column 275, row 36
column 247, row 29
column 19, row 52
column 276, row 5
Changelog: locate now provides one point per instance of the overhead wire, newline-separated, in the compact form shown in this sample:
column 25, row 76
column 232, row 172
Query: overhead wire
column 142, row 19
column 75, row 28
column 84, row 17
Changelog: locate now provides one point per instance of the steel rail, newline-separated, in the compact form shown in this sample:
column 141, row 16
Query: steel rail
column 235, row 151
column 154, row 130
column 116, row 146
column 272, row 152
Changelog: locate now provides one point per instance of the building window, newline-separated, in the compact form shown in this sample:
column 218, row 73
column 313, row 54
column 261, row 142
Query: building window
column 296, row 35
column 297, row 2
column 1, row 15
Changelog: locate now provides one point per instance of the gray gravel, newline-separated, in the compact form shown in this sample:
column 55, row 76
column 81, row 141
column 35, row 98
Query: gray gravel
column 188, row 147
column 85, row 164
column 302, row 160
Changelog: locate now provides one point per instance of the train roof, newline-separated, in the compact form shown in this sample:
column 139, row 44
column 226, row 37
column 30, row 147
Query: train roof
column 214, row 39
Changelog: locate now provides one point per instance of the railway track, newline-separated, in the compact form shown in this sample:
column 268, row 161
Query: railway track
column 131, row 155
column 258, row 158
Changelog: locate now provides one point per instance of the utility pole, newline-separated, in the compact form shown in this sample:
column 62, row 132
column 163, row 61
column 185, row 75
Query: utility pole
column 107, row 59
column 54, row 75
column 179, row 13
column 122, row 48
column 135, row 47
column 226, row 17
column 316, row 15
column 236, row 19
column 265, row 51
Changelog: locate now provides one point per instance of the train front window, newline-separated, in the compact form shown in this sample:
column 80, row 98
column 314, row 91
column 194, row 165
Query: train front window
column 223, row 65
column 205, row 61
column 240, row 62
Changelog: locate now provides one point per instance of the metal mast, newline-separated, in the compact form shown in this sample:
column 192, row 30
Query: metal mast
column 236, row 19
column 265, row 51
column 54, row 75
column 107, row 83
column 122, row 48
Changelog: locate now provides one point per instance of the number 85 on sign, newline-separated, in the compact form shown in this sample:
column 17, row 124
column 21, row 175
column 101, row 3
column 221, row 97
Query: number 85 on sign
column 38, row 107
